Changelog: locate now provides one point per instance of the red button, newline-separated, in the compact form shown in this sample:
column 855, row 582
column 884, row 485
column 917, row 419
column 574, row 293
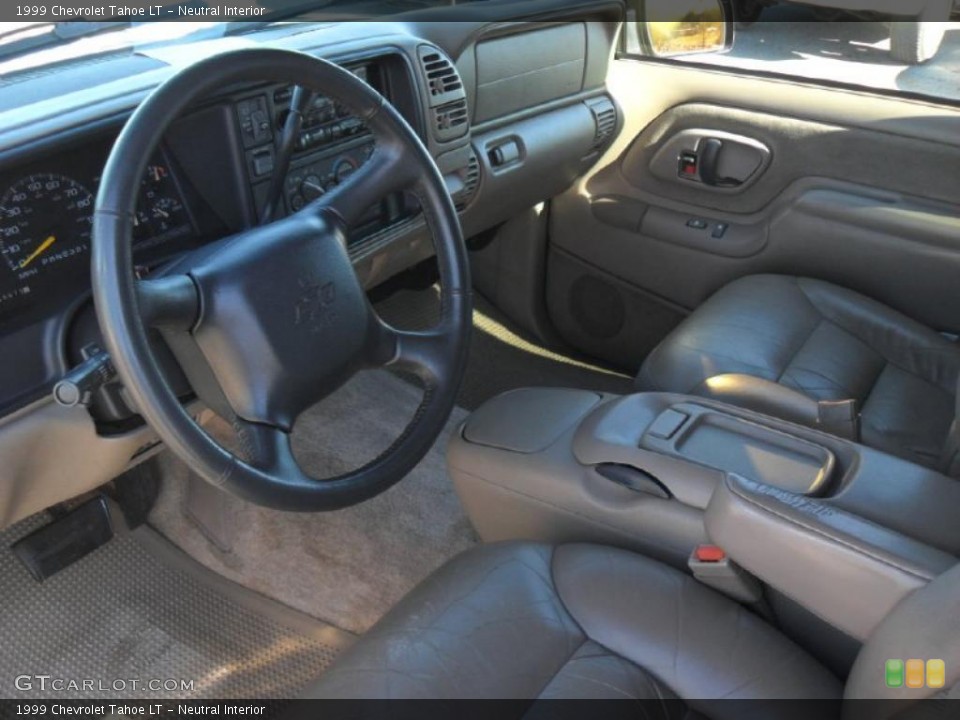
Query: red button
column 709, row 553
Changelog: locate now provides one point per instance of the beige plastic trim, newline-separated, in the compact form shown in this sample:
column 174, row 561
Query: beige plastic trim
column 51, row 454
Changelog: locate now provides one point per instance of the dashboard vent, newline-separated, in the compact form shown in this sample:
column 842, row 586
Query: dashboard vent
column 441, row 76
column 471, row 181
column 451, row 121
column 604, row 118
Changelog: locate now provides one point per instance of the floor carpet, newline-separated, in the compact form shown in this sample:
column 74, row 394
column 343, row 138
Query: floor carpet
column 346, row 567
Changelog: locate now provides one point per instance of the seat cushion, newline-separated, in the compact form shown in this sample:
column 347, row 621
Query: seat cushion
column 527, row 621
column 821, row 342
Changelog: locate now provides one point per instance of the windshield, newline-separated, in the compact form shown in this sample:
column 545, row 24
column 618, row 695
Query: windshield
column 58, row 32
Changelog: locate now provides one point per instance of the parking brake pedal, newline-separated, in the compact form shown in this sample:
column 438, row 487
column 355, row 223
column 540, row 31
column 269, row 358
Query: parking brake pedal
column 53, row 547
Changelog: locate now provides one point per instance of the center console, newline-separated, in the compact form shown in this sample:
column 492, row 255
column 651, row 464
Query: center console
column 843, row 530
column 332, row 144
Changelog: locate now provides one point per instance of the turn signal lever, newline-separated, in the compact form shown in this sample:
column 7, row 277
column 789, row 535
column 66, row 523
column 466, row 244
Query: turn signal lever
column 79, row 386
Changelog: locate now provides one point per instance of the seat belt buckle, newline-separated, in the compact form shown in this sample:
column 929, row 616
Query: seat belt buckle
column 711, row 566
column 840, row 418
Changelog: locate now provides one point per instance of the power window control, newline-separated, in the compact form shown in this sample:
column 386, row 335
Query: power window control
column 697, row 223
column 720, row 229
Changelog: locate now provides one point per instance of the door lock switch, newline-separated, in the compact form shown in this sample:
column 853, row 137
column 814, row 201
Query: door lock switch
column 719, row 230
column 687, row 165
column 697, row 224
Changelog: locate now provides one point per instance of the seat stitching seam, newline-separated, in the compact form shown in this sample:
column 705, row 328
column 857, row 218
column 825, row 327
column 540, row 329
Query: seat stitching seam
column 656, row 681
column 563, row 606
column 924, row 349
column 873, row 385
column 561, row 666
column 796, row 352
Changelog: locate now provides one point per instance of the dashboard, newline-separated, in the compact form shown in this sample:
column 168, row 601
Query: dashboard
column 208, row 178
column 511, row 112
column 46, row 205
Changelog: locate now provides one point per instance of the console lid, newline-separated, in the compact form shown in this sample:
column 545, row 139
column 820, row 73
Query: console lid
column 845, row 569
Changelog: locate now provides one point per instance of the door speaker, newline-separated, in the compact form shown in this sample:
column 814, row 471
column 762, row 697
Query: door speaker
column 597, row 307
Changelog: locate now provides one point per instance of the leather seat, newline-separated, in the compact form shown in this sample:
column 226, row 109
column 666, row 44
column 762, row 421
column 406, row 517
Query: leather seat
column 530, row 621
column 522, row 621
column 783, row 345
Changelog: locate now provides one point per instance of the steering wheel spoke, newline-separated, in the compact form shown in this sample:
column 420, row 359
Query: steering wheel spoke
column 168, row 302
column 267, row 448
column 383, row 174
column 421, row 352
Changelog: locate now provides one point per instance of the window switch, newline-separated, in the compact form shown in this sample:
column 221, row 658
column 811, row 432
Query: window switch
column 697, row 223
column 719, row 230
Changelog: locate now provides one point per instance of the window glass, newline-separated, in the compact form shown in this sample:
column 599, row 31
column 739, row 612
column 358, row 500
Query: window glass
column 828, row 43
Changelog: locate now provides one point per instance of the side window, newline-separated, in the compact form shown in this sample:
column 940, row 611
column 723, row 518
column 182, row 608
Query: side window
column 915, row 52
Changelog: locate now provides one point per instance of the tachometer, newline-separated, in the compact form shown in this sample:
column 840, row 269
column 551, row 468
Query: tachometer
column 45, row 222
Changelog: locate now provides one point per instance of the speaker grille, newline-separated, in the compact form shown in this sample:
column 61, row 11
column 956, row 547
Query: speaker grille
column 597, row 307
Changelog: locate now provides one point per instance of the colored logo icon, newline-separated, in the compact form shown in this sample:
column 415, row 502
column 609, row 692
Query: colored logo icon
column 915, row 674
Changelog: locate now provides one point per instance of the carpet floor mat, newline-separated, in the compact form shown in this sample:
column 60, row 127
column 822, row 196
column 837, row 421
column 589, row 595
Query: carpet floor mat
column 139, row 619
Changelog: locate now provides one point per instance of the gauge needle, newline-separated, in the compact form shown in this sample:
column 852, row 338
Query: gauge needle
column 41, row 249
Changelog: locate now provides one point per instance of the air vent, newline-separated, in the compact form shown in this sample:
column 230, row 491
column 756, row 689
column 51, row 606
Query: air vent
column 443, row 81
column 440, row 73
column 604, row 118
column 451, row 121
column 472, row 178
column 471, row 181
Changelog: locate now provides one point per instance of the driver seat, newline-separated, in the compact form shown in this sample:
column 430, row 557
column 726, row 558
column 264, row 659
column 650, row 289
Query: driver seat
column 532, row 621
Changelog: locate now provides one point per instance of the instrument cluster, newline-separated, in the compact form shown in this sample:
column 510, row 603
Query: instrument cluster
column 46, row 213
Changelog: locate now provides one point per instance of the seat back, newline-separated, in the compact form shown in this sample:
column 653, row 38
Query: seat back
column 951, row 452
column 925, row 626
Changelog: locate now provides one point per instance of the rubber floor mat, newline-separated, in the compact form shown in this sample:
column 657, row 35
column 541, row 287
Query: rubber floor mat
column 139, row 619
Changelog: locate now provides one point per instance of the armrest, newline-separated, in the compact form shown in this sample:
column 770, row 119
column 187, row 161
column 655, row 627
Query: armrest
column 847, row 570
column 771, row 398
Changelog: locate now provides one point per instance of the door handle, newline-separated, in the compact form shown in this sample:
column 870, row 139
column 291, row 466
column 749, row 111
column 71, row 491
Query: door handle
column 713, row 158
column 709, row 157
column 710, row 149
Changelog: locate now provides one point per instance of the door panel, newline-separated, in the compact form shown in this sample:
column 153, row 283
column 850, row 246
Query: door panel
column 857, row 189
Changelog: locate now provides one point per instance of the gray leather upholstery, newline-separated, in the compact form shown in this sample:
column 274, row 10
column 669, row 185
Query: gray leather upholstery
column 518, row 620
column 806, row 538
column 800, row 339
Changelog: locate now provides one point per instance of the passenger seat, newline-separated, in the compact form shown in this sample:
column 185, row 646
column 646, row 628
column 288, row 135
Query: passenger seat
column 818, row 354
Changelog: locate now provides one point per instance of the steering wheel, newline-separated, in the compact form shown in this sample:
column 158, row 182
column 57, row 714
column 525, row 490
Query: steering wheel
column 267, row 322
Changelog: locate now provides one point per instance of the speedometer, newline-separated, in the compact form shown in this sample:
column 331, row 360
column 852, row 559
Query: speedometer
column 45, row 222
